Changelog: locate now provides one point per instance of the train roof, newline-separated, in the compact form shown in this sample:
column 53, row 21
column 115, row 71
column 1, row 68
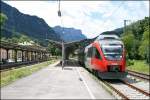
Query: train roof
column 107, row 40
column 103, row 37
column 110, row 41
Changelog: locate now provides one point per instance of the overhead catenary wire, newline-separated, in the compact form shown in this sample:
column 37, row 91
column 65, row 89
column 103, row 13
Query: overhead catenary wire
column 113, row 12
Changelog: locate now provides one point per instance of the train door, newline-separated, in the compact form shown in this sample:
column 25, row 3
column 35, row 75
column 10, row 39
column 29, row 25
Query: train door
column 96, row 60
column 88, row 58
column 85, row 57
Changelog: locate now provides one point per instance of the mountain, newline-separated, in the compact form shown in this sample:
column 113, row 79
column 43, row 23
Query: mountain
column 31, row 26
column 69, row 34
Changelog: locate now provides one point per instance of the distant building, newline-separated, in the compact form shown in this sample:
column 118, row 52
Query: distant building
column 3, row 54
column 27, row 43
column 22, row 52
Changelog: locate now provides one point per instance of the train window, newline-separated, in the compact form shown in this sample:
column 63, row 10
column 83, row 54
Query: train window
column 96, row 53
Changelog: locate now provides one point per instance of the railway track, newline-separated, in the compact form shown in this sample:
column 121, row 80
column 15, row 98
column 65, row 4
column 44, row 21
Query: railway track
column 123, row 89
column 139, row 75
column 136, row 88
column 3, row 70
column 7, row 67
column 14, row 67
column 127, row 91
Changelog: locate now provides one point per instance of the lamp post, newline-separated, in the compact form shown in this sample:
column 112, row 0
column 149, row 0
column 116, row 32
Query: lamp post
column 125, row 24
column 63, row 46
column 63, row 53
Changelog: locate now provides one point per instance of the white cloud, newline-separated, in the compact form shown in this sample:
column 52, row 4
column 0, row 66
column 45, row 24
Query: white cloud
column 92, row 17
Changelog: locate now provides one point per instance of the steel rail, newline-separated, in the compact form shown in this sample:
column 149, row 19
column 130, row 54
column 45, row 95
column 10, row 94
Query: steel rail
column 140, row 75
column 136, row 88
column 19, row 65
column 14, row 66
column 117, row 91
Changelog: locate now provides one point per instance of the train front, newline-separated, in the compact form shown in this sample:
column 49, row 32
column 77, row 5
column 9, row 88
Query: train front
column 114, row 59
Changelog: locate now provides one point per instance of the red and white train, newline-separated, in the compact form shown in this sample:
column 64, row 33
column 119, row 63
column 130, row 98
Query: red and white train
column 105, row 57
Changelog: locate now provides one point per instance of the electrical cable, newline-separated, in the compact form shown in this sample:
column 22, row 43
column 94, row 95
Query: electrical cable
column 113, row 12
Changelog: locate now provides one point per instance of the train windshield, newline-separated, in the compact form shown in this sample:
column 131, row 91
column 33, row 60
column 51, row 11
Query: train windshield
column 112, row 52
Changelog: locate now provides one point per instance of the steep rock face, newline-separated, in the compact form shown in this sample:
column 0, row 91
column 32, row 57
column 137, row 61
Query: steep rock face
column 31, row 26
column 69, row 34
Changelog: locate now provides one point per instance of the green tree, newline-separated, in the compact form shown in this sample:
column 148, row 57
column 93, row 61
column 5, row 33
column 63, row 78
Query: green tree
column 51, row 48
column 129, row 41
column 13, row 40
column 24, row 38
column 58, row 51
column 3, row 19
column 145, row 46
column 135, row 43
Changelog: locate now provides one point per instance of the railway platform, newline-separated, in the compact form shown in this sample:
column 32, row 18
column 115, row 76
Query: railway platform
column 53, row 82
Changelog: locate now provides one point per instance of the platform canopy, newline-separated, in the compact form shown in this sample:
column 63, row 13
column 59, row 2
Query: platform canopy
column 67, row 46
column 8, row 45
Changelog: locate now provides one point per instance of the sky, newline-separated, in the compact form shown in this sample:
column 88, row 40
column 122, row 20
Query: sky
column 91, row 17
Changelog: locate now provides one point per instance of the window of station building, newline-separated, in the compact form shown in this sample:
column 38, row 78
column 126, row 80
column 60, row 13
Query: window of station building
column 96, row 53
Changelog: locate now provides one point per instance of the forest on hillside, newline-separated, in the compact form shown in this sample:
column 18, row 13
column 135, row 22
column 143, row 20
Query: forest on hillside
column 136, row 40
column 16, row 37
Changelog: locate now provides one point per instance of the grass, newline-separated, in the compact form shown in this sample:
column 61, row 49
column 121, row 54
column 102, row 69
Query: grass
column 139, row 66
column 10, row 76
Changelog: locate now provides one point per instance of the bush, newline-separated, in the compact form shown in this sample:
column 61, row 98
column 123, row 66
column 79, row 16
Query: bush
column 130, row 62
column 139, row 66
